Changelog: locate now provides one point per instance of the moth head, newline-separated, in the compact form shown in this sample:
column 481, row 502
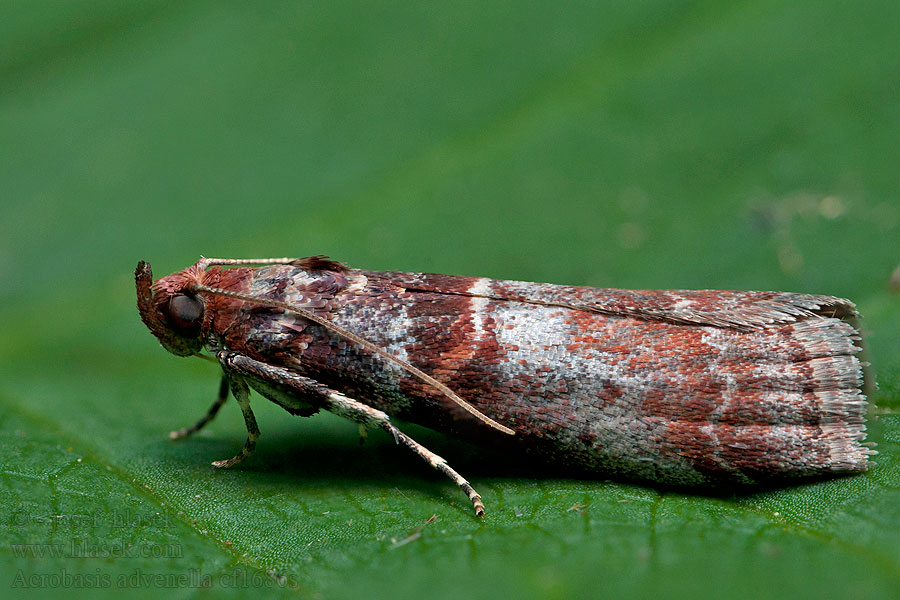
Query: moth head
column 170, row 310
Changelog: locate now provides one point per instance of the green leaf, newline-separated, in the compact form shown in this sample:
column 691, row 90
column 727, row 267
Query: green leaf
column 644, row 145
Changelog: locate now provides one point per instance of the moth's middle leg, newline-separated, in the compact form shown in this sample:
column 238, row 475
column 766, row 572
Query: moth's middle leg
column 341, row 405
column 241, row 393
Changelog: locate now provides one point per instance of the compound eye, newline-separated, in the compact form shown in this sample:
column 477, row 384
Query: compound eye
column 184, row 313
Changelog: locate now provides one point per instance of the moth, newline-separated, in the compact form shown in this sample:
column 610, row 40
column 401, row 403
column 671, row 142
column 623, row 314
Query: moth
column 685, row 388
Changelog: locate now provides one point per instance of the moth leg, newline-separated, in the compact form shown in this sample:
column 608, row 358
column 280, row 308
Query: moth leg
column 220, row 400
column 342, row 406
column 241, row 393
column 367, row 416
column 438, row 463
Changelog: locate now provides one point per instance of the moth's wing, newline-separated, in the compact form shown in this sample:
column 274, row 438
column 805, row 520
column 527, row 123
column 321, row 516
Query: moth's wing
column 733, row 309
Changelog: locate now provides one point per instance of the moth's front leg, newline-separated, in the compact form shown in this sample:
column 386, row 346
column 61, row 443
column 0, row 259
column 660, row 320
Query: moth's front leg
column 341, row 405
column 201, row 423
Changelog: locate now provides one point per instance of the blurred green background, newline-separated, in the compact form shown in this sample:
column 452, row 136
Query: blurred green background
column 748, row 145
